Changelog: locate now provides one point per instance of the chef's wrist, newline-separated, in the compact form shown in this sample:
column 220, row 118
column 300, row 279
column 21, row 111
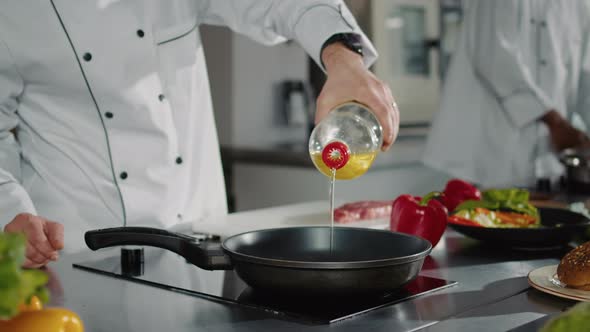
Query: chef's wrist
column 337, row 54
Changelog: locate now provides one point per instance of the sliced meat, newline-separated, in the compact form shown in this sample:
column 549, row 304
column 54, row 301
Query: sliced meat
column 363, row 210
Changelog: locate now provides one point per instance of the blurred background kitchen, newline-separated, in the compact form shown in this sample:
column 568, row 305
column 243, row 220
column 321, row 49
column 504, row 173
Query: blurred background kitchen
column 264, row 102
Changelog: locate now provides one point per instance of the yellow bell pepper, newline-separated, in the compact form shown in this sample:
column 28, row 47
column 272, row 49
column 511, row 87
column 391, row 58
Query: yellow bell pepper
column 32, row 317
column 34, row 304
column 46, row 320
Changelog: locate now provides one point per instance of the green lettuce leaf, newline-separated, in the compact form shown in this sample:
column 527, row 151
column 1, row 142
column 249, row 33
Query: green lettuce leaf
column 514, row 199
column 576, row 318
column 472, row 204
column 16, row 284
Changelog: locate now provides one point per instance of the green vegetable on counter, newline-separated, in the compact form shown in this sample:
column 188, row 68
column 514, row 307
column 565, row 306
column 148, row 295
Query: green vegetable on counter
column 516, row 200
column 576, row 319
column 17, row 285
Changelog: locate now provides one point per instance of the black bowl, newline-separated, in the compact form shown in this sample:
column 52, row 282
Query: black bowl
column 558, row 227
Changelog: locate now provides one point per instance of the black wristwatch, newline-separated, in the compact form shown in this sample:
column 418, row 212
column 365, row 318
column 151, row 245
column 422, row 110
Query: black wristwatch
column 352, row 41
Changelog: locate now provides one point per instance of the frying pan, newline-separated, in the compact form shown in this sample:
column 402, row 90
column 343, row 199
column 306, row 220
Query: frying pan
column 295, row 260
column 558, row 227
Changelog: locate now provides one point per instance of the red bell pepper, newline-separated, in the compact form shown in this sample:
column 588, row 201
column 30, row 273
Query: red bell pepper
column 456, row 191
column 425, row 217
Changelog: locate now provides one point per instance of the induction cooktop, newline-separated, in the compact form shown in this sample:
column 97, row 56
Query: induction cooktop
column 167, row 270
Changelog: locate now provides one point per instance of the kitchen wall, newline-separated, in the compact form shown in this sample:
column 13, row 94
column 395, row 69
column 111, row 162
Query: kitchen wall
column 244, row 80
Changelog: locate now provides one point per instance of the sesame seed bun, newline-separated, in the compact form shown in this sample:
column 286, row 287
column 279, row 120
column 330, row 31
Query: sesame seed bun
column 574, row 268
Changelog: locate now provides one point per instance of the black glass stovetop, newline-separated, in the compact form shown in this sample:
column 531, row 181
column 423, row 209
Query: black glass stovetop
column 170, row 271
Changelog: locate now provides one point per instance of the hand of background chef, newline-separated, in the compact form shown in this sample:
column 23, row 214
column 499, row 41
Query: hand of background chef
column 348, row 79
column 44, row 238
column 563, row 134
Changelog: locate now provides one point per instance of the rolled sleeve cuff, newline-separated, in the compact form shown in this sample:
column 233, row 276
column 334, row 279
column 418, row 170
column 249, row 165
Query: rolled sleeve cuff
column 321, row 22
column 584, row 112
column 14, row 200
column 524, row 108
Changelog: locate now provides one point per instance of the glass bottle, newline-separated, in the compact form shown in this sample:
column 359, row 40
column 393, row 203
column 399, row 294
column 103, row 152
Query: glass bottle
column 347, row 140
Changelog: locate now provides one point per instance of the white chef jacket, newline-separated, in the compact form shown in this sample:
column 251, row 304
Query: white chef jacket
column 110, row 101
column 515, row 60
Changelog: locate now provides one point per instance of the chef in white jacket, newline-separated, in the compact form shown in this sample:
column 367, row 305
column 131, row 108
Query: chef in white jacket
column 520, row 73
column 105, row 111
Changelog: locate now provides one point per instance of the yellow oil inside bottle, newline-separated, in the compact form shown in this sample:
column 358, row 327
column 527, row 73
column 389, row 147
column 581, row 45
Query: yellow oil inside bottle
column 357, row 165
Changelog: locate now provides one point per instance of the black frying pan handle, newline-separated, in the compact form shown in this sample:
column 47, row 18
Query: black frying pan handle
column 205, row 255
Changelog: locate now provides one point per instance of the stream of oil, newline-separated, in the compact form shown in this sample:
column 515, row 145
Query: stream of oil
column 332, row 181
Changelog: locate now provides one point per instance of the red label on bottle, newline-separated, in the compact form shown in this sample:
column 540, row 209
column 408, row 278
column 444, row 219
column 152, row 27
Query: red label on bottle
column 335, row 155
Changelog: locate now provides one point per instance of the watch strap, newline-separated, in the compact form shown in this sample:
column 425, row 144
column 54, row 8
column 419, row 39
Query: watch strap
column 352, row 41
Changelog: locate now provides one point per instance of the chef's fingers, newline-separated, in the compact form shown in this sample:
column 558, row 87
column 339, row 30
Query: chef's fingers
column 38, row 239
column 34, row 256
column 55, row 233
column 380, row 104
column 30, row 264
column 394, row 114
column 33, row 228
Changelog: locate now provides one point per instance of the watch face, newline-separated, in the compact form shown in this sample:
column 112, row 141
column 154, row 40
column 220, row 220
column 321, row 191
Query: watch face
column 356, row 45
column 353, row 38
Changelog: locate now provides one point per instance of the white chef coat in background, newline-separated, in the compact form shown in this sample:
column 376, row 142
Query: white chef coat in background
column 111, row 104
column 515, row 60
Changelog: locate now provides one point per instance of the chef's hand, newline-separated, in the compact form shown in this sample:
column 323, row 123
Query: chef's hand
column 348, row 79
column 44, row 238
column 563, row 134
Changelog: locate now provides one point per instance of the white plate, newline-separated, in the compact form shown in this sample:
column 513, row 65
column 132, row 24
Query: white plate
column 545, row 279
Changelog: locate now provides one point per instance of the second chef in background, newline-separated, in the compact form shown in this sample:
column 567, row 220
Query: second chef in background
column 520, row 75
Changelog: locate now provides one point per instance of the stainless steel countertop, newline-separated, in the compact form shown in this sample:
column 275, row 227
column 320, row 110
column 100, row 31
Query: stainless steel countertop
column 492, row 295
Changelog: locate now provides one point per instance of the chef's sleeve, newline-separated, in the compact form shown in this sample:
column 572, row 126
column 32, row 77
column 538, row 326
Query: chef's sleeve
column 583, row 95
column 498, row 61
column 13, row 197
column 309, row 22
